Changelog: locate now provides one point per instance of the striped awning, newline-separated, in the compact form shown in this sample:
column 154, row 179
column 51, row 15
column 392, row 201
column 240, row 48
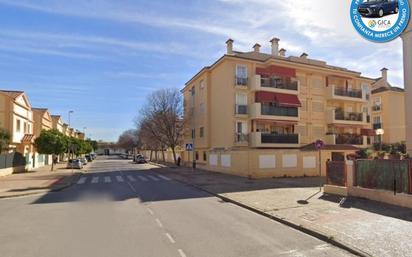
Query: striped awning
column 28, row 138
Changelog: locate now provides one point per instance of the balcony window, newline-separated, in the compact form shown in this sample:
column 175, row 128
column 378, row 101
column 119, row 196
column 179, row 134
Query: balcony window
column 241, row 138
column 377, row 126
column 349, row 92
column 349, row 116
column 241, row 109
column 241, row 75
column 376, row 107
column 279, row 82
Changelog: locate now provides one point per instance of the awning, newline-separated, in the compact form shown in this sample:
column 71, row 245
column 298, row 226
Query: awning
column 28, row 138
column 286, row 100
column 368, row 132
column 276, row 70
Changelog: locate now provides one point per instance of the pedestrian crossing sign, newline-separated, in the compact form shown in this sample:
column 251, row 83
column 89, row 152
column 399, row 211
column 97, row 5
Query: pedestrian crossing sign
column 189, row 147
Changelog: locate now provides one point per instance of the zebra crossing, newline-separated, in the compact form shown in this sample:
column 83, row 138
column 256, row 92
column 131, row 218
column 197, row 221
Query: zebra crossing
column 105, row 179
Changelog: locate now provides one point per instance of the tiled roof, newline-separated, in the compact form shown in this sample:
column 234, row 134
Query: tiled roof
column 384, row 89
column 12, row 93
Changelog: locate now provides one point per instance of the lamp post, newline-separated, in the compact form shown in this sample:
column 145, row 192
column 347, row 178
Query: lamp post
column 70, row 112
column 380, row 133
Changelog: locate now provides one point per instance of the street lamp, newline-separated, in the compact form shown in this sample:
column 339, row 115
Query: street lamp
column 380, row 133
column 70, row 112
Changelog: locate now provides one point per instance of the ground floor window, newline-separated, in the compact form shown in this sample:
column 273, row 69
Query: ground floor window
column 204, row 156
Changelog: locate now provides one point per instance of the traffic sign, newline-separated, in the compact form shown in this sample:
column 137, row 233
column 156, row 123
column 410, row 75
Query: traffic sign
column 189, row 147
column 319, row 144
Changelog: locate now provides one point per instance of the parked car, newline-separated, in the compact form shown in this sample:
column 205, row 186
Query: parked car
column 140, row 159
column 74, row 164
column 378, row 8
column 88, row 157
column 83, row 161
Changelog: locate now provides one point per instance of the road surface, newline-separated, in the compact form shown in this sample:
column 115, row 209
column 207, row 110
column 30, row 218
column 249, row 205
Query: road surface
column 124, row 209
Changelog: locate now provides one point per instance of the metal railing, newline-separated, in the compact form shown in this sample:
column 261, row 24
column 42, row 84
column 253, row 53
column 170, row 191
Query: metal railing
column 279, row 111
column 356, row 93
column 241, row 81
column 377, row 126
column 349, row 139
column 241, row 109
column 276, row 83
column 280, row 139
column 350, row 116
column 376, row 108
column 241, row 138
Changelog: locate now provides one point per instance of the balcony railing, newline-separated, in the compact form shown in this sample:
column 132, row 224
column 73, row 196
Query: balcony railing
column 376, row 108
column 279, row 111
column 377, row 126
column 349, row 139
column 241, row 109
column 280, row 139
column 278, row 83
column 356, row 93
column 241, row 81
column 241, row 138
column 349, row 116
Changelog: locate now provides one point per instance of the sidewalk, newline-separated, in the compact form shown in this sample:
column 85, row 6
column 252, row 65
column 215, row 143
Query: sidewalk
column 40, row 180
column 368, row 228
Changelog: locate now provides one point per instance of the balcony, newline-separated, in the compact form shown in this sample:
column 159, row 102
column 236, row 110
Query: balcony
column 347, row 139
column 274, row 85
column 339, row 117
column 263, row 111
column 340, row 93
column 241, row 82
column 241, row 139
column 377, row 126
column 377, row 108
column 262, row 140
column 241, row 109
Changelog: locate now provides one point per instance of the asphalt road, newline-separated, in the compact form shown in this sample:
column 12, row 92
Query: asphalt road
column 123, row 209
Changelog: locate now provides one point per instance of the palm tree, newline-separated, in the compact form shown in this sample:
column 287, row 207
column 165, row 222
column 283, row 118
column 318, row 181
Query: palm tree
column 4, row 139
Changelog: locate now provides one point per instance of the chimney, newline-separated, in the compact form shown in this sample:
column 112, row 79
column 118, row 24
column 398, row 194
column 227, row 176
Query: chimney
column 275, row 46
column 229, row 46
column 304, row 56
column 282, row 52
column 256, row 48
column 385, row 74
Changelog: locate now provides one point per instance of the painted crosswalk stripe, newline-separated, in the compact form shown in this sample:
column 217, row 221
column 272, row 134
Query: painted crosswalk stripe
column 119, row 179
column 164, row 177
column 95, row 180
column 82, row 180
column 142, row 178
column 131, row 178
column 153, row 177
column 107, row 179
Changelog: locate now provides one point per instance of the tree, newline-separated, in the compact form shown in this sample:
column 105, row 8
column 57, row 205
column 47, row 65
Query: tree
column 78, row 146
column 128, row 140
column 4, row 140
column 51, row 142
column 162, row 118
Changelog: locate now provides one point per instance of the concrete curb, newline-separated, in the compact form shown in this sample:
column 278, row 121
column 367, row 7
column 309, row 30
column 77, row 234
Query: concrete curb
column 299, row 227
column 46, row 190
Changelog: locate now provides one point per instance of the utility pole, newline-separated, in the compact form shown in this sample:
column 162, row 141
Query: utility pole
column 407, row 69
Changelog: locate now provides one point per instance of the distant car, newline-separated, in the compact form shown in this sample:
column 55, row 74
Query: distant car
column 378, row 8
column 74, row 164
column 83, row 161
column 140, row 159
column 88, row 157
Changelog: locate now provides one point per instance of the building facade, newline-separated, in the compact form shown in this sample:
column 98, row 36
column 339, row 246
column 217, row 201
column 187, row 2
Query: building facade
column 16, row 117
column 254, row 113
column 388, row 110
column 42, row 121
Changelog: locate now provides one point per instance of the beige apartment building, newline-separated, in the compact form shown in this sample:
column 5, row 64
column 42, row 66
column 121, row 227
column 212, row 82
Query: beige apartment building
column 42, row 121
column 16, row 117
column 57, row 123
column 388, row 110
column 257, row 114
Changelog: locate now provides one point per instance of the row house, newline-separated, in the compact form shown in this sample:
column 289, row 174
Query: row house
column 24, row 123
column 260, row 105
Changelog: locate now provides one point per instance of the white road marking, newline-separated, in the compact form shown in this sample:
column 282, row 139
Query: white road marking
column 182, row 254
column 131, row 178
column 142, row 178
column 170, row 238
column 159, row 223
column 119, row 179
column 82, row 180
column 150, row 211
column 164, row 177
column 153, row 177
column 95, row 180
column 107, row 179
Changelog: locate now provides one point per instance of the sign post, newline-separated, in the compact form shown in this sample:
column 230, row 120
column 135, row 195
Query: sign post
column 319, row 145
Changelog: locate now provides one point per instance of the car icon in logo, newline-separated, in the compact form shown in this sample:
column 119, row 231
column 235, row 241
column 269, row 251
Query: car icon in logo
column 378, row 8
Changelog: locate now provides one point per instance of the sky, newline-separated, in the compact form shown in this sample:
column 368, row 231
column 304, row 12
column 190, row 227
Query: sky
column 101, row 58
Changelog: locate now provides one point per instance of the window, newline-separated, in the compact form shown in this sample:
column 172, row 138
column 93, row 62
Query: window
column 201, row 131
column 24, row 127
column 241, row 71
column 193, row 133
column 204, row 156
column 18, row 125
column 376, row 119
column 192, row 91
column 197, row 155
